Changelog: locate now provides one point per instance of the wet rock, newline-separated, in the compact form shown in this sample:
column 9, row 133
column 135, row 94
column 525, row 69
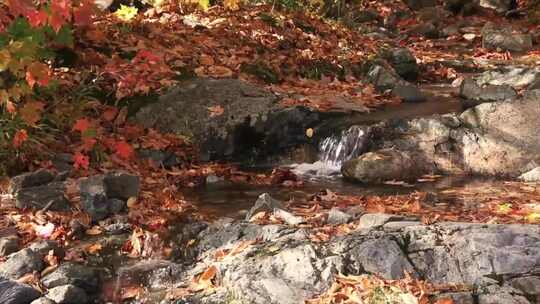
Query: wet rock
column 20, row 263
column 409, row 93
column 12, row 292
column 475, row 94
column 496, row 38
column 338, row 217
column 43, row 300
column 382, row 78
column 381, row 166
column 500, row 6
column 9, row 245
column 67, row 294
column 154, row 274
column 528, row 285
column 251, row 120
column 531, row 176
column 287, row 217
column 404, row 63
column 73, row 274
column 103, row 195
column 265, row 203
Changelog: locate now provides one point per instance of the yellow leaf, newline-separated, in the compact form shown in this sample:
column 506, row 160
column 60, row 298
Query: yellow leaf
column 233, row 5
column 5, row 58
column 309, row 132
column 504, row 208
column 533, row 217
column 126, row 13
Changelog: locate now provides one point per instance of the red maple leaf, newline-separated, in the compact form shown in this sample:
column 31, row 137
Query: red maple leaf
column 37, row 18
column 81, row 125
column 20, row 137
column 38, row 73
column 123, row 149
column 81, row 161
column 84, row 13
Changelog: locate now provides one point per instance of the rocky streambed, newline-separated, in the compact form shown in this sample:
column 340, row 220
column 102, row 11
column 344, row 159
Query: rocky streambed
column 270, row 251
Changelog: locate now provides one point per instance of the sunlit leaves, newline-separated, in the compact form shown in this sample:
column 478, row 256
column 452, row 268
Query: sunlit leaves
column 126, row 13
column 5, row 58
column 81, row 161
column 31, row 112
column 38, row 73
column 20, row 137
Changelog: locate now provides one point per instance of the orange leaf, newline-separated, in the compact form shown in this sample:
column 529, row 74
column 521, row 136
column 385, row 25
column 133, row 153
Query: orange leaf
column 31, row 112
column 20, row 137
column 123, row 149
column 38, row 73
column 81, row 161
column 81, row 125
column 216, row 110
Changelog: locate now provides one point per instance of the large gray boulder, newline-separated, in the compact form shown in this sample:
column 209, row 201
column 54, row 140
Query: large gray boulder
column 286, row 267
column 475, row 94
column 380, row 166
column 495, row 139
column 12, row 292
column 232, row 119
column 38, row 190
column 78, row 275
column 20, row 263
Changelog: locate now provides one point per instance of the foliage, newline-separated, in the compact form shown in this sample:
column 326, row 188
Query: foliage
column 29, row 34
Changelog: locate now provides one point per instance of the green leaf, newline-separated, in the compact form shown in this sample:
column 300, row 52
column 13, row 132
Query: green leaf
column 64, row 36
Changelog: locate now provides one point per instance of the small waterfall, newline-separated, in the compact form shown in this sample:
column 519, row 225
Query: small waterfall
column 335, row 150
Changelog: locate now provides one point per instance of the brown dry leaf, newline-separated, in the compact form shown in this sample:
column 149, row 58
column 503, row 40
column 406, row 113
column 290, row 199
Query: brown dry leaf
column 219, row 71
column 445, row 301
column 130, row 292
column 177, row 293
column 94, row 249
column 204, row 281
column 95, row 230
column 206, row 60
column 216, row 110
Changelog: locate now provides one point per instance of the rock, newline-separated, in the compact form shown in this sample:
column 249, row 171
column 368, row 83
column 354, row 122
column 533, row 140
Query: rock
column 497, row 38
column 102, row 195
column 32, row 179
column 73, row 274
column 285, row 267
column 426, row 29
column 40, row 197
column 382, row 78
column 167, row 159
column 476, row 94
column 44, row 247
column 404, row 63
column 153, row 274
column 43, row 300
column 12, row 292
column 9, row 245
column 502, row 298
column 381, row 256
column 287, row 217
column 501, row 137
column 264, row 203
column 375, row 220
column 500, row 6
column 409, row 93
column 419, row 4
column 121, row 185
column 515, row 76
column 20, row 263
column 381, row 166
column 528, row 285
column 67, row 294
column 39, row 189
column 338, row 217
column 531, row 176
